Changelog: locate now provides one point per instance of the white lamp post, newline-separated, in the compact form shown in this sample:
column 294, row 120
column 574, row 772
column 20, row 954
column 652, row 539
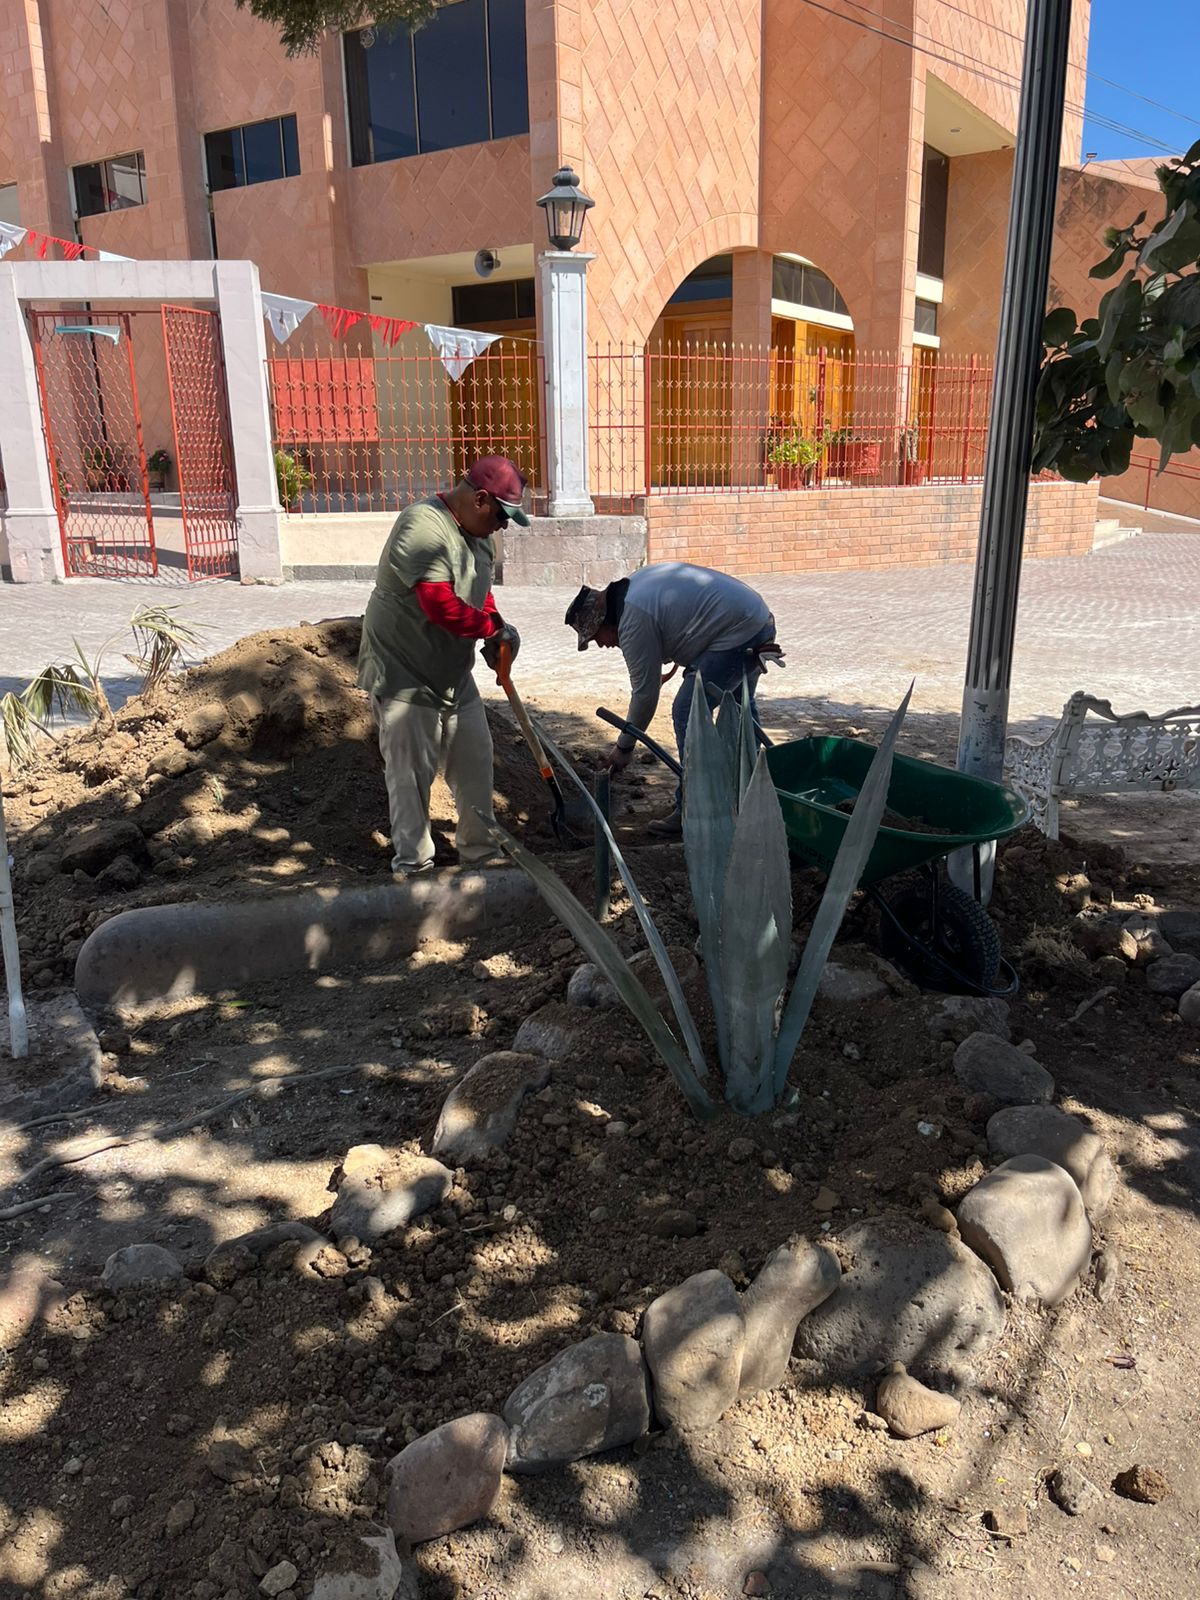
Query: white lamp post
column 564, row 317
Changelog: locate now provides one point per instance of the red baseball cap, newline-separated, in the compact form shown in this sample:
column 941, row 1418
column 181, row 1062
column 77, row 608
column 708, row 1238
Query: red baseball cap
column 497, row 476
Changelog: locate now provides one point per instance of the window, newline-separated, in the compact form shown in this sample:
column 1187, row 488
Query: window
column 461, row 79
column 711, row 280
column 935, row 191
column 803, row 285
column 925, row 317
column 493, row 302
column 255, row 153
column 110, row 185
column 10, row 205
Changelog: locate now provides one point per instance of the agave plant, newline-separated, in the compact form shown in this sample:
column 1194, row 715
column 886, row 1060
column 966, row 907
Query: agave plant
column 161, row 638
column 57, row 690
column 735, row 847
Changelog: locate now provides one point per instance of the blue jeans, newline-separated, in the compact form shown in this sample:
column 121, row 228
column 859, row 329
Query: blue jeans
column 722, row 672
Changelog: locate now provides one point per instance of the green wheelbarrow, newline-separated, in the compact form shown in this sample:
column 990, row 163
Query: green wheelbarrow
column 939, row 936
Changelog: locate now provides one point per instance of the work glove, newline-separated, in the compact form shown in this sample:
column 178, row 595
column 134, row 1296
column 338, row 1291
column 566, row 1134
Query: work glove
column 506, row 634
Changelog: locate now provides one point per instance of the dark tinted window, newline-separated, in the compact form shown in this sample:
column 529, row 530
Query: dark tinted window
column 263, row 145
column 255, row 153
column 460, row 79
column 223, row 158
column 507, row 68
column 711, row 280
column 493, row 302
column 110, row 185
column 452, row 84
column 935, row 190
column 802, row 285
column 291, row 146
column 925, row 317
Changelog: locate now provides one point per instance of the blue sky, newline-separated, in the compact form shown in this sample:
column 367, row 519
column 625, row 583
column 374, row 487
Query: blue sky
column 1152, row 48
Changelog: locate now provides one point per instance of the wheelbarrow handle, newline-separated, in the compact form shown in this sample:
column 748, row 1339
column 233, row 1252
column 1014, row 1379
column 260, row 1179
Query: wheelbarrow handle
column 652, row 745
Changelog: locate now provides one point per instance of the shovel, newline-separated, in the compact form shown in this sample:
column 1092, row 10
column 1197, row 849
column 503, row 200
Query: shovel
column 558, row 816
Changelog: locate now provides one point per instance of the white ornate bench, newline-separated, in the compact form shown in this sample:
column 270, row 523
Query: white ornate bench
column 1094, row 751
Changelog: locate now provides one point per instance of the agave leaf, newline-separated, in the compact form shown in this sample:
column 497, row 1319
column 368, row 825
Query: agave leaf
column 847, row 868
column 601, row 949
column 756, row 924
column 683, row 1015
column 709, row 808
column 728, row 726
column 19, row 729
column 161, row 637
column 62, row 689
column 747, row 743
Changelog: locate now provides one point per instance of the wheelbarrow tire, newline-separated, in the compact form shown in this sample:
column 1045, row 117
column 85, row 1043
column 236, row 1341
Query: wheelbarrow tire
column 965, row 939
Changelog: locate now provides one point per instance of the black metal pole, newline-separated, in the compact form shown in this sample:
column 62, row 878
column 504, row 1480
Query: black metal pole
column 1018, row 356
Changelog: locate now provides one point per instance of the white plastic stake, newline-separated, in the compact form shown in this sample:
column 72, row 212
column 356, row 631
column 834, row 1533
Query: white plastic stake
column 18, row 1028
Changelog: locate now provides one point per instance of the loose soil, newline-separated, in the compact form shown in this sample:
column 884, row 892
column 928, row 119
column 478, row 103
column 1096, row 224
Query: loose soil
column 111, row 1407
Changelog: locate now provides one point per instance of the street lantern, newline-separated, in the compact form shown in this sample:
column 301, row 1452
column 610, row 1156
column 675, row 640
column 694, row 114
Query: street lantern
column 565, row 206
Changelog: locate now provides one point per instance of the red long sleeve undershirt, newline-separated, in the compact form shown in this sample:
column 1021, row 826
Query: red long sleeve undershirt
column 445, row 610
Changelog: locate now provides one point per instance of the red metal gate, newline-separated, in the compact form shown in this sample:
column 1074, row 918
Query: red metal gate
column 200, row 419
column 94, row 444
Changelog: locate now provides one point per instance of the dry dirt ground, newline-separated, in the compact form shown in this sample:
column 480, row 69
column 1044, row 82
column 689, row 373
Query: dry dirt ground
column 109, row 1406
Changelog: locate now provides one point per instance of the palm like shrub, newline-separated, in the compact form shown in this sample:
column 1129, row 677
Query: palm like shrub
column 736, row 851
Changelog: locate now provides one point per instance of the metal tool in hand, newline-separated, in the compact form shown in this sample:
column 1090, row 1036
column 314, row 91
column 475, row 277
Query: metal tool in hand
column 558, row 816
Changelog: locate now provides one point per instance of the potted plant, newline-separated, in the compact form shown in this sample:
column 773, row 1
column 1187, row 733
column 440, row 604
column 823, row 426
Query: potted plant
column 912, row 469
column 792, row 458
column 157, row 467
column 102, row 474
column 848, row 457
column 293, row 477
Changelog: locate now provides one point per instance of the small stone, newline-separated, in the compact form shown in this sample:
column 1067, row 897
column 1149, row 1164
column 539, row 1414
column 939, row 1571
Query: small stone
column 480, row 1112
column 120, row 873
column 694, row 1337
column 593, row 1396
column 937, row 1216
column 228, row 1460
column 675, row 1225
column 1108, row 1274
column 1072, row 1491
column 740, row 1149
column 136, row 1265
column 1112, row 971
column 756, row 1583
column 1152, row 941
column 794, row 1280
column 909, row 1408
column 92, row 848
column 1027, row 1221
column 589, row 987
column 984, row 1064
column 234, row 1257
column 1010, row 1522
column 826, row 1200
column 615, row 1129
column 180, row 1516
column 370, row 1208
column 171, row 762
column 1173, row 975
column 121, row 1507
column 74, row 1467
column 448, row 1479
column 281, row 1576
column 1105, row 1555
column 841, row 985
column 1046, row 1131
column 201, row 727
column 1189, row 1006
column 1146, row 1484
column 1100, row 936
column 964, row 1014
column 552, row 1032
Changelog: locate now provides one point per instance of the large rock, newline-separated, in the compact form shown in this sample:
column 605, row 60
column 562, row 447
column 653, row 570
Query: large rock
column 1152, row 943
column 234, row 1257
column 480, row 1112
column 92, row 848
column 694, row 1337
column 594, row 1396
column 1104, row 935
column 202, row 726
column 960, row 1015
column 379, row 1572
column 589, row 986
column 553, row 1032
column 448, row 1479
column 137, row 1265
column 1182, row 929
column 984, row 1064
column 909, row 1408
column 1027, row 1220
column 1046, row 1131
column 372, row 1204
column 794, row 1280
column 1173, row 975
column 1189, row 1005
column 909, row 1294
column 840, row 985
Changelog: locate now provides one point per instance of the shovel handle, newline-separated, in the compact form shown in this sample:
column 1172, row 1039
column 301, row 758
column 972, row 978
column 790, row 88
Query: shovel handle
column 504, row 679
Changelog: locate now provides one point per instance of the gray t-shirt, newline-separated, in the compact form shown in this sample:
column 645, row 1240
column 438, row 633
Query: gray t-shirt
column 675, row 612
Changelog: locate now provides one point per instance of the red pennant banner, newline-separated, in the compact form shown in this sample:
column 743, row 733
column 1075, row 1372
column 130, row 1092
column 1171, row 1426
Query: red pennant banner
column 41, row 242
column 390, row 329
column 71, row 252
column 339, row 319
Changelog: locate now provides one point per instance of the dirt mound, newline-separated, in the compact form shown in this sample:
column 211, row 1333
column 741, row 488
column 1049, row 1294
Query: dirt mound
column 256, row 770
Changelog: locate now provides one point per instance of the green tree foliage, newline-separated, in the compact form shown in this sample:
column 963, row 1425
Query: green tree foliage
column 1133, row 370
column 302, row 22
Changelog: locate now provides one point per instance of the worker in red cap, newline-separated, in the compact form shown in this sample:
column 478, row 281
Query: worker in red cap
column 431, row 601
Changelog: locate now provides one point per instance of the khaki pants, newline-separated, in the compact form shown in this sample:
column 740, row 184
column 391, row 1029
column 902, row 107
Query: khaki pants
column 413, row 740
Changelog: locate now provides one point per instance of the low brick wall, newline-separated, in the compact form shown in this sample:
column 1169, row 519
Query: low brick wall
column 573, row 550
column 760, row 531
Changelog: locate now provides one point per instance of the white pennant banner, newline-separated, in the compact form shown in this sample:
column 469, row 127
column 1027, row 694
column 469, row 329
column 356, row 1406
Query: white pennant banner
column 10, row 237
column 458, row 347
column 284, row 314
column 110, row 255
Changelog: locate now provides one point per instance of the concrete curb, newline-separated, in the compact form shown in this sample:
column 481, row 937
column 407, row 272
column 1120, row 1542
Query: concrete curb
column 169, row 952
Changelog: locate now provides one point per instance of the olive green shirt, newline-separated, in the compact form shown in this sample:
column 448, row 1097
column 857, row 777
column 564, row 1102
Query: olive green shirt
column 404, row 656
